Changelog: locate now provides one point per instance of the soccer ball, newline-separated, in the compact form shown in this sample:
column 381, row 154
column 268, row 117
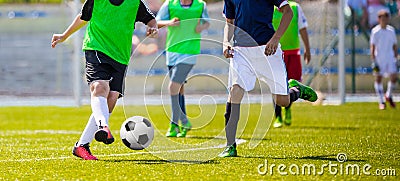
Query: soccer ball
column 137, row 132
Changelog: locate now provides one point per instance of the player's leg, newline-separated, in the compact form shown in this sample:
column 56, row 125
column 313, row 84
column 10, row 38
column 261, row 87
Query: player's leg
column 178, row 76
column 117, row 72
column 379, row 91
column 182, row 103
column 294, row 71
column 232, row 114
column 278, row 116
column 241, row 78
column 95, row 75
column 390, row 86
column 186, row 124
column 273, row 72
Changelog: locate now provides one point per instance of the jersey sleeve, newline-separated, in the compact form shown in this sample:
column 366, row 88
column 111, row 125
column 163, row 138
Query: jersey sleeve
column 204, row 16
column 302, row 20
column 229, row 9
column 144, row 14
column 372, row 40
column 163, row 13
column 87, row 10
column 280, row 3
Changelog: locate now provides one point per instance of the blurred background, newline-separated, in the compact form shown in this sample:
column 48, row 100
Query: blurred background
column 31, row 70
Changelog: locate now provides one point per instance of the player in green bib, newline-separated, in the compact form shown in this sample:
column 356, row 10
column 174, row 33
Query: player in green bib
column 107, row 45
column 185, row 20
column 290, row 44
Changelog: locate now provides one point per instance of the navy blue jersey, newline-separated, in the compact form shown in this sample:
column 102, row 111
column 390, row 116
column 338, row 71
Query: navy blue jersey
column 253, row 20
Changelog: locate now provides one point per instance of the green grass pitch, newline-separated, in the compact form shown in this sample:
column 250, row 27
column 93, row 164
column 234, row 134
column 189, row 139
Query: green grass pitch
column 36, row 144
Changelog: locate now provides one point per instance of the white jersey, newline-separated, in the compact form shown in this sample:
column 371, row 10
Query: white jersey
column 384, row 39
column 302, row 20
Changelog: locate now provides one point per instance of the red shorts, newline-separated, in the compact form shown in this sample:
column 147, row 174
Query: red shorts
column 292, row 60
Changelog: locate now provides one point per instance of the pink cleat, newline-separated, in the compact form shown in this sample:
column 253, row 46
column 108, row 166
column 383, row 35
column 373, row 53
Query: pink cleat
column 83, row 151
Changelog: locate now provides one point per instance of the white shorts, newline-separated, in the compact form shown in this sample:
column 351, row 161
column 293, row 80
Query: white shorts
column 249, row 63
column 387, row 67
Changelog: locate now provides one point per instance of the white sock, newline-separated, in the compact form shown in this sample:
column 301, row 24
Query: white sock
column 390, row 87
column 100, row 110
column 88, row 133
column 379, row 91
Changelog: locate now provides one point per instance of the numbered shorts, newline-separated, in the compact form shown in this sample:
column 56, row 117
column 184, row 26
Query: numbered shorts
column 250, row 63
column 99, row 66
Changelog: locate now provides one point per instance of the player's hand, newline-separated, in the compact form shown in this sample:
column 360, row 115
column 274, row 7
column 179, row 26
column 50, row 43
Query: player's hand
column 307, row 57
column 375, row 67
column 201, row 26
column 271, row 46
column 57, row 38
column 228, row 52
column 174, row 22
column 152, row 32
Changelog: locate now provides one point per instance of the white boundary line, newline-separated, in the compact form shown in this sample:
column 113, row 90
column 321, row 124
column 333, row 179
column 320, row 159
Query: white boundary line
column 238, row 141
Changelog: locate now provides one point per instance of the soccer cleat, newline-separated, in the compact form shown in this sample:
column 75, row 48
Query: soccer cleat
column 83, row 151
column 288, row 117
column 184, row 129
column 230, row 151
column 278, row 122
column 306, row 92
column 173, row 130
column 104, row 135
column 391, row 103
column 382, row 106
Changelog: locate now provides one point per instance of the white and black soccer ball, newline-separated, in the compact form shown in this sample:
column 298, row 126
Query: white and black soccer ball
column 137, row 133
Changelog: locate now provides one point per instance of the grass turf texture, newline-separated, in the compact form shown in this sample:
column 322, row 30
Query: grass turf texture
column 36, row 144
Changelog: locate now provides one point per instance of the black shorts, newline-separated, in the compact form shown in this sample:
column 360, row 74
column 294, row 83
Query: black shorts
column 99, row 66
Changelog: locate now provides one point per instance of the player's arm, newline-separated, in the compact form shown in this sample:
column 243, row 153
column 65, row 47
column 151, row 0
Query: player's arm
column 395, row 51
column 229, row 13
column 302, row 23
column 80, row 21
column 228, row 34
column 77, row 24
column 304, row 37
column 145, row 16
column 203, row 23
column 287, row 15
column 163, row 18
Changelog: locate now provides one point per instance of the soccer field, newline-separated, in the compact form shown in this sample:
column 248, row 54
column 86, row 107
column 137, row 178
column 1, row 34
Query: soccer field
column 36, row 144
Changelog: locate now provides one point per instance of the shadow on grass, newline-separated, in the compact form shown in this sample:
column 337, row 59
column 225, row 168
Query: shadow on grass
column 152, row 162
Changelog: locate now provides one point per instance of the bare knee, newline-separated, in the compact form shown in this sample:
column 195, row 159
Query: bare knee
column 282, row 100
column 236, row 94
column 100, row 88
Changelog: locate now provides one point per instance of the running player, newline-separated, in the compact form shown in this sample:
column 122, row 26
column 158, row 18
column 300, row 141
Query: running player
column 185, row 20
column 290, row 45
column 107, row 45
column 255, row 54
column 383, row 44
